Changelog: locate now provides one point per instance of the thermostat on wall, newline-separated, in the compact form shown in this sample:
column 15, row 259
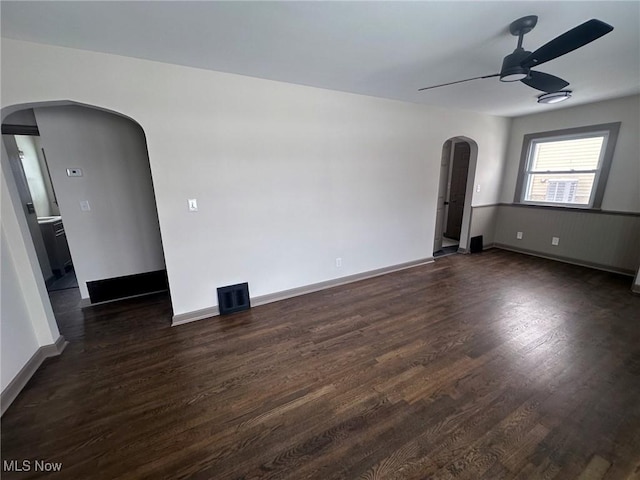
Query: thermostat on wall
column 74, row 172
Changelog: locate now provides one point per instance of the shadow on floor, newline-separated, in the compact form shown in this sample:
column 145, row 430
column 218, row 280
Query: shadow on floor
column 444, row 251
column 65, row 282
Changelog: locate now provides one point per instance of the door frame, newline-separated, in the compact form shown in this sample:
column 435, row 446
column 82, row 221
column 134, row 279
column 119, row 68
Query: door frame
column 448, row 147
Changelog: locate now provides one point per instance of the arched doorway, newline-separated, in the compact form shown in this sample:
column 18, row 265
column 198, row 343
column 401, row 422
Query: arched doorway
column 98, row 185
column 455, row 189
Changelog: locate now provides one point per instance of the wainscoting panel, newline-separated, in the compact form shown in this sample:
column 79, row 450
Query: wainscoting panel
column 606, row 240
column 483, row 222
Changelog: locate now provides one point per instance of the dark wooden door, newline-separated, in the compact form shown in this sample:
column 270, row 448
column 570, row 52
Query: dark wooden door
column 442, row 195
column 458, row 188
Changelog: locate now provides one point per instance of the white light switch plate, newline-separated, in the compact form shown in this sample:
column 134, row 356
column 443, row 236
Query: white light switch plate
column 84, row 205
column 193, row 205
column 74, row 172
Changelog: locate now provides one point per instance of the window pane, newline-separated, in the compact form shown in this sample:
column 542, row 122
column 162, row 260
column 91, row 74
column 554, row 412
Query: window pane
column 560, row 188
column 563, row 155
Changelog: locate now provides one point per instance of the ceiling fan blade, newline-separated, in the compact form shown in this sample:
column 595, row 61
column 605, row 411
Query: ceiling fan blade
column 567, row 42
column 544, row 82
column 459, row 81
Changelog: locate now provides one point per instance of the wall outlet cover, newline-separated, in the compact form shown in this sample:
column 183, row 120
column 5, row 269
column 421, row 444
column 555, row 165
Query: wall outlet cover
column 555, row 240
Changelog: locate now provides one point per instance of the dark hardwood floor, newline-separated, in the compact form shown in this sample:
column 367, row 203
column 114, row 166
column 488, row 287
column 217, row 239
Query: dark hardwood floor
column 486, row 366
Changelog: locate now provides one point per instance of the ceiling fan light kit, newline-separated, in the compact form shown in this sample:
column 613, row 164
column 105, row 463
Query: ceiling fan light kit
column 518, row 65
column 555, row 97
column 511, row 70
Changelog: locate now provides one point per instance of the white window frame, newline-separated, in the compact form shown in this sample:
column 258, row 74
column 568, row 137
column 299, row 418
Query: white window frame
column 610, row 133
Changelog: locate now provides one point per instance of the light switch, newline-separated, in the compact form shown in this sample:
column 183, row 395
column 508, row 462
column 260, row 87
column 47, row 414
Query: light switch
column 74, row 172
column 193, row 205
column 84, row 205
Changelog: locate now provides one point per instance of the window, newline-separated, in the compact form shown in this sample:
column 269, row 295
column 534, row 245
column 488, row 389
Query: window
column 561, row 191
column 566, row 168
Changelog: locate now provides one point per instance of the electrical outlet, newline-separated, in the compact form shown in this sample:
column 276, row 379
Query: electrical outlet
column 84, row 205
column 555, row 240
column 338, row 262
column 519, row 235
column 478, row 188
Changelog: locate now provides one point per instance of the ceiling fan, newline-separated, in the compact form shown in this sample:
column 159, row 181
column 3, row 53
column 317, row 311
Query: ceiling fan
column 517, row 66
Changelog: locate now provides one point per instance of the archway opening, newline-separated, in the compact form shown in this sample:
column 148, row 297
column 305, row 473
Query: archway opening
column 455, row 191
column 96, row 192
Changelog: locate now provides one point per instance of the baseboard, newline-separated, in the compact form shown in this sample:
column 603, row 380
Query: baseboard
column 572, row 261
column 188, row 317
column 86, row 302
column 127, row 286
column 11, row 392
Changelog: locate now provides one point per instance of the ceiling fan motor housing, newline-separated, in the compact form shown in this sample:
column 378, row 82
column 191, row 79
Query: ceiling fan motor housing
column 512, row 70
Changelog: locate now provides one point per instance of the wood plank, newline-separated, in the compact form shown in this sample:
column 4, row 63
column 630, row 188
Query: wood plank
column 495, row 365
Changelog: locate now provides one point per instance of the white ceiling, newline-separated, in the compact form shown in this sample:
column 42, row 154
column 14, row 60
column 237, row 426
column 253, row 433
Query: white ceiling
column 384, row 49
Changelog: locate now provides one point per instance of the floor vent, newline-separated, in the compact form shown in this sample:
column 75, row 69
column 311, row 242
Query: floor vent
column 476, row 244
column 233, row 298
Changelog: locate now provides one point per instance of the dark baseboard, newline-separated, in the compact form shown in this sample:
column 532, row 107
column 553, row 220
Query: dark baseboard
column 127, row 286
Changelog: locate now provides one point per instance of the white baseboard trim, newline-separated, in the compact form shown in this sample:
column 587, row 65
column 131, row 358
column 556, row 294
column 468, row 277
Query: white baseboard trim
column 11, row 392
column 189, row 317
column 194, row 316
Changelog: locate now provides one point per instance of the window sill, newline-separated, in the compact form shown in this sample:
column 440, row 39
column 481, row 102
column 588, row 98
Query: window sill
column 560, row 206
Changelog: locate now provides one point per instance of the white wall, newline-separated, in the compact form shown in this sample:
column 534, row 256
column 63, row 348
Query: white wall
column 623, row 186
column 287, row 177
column 120, row 234
column 17, row 339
